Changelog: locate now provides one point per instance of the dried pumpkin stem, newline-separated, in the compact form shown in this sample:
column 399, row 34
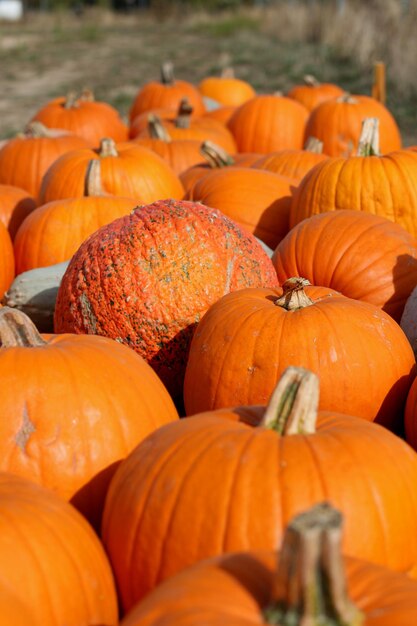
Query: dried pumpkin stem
column 16, row 329
column 347, row 98
column 311, row 80
column 215, row 155
column 369, row 139
column 292, row 408
column 156, row 128
column 294, row 296
column 93, row 184
column 314, row 145
column 227, row 72
column 87, row 95
column 310, row 585
column 71, row 101
column 107, row 148
column 167, row 73
column 38, row 130
column 185, row 110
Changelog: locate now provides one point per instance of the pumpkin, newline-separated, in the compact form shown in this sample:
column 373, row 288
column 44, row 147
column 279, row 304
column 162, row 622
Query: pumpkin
column 102, row 400
column 293, row 163
column 226, row 88
column 83, row 116
column 367, row 257
column 147, row 278
column 222, row 114
column 363, row 358
column 141, row 121
column 127, row 170
column 25, row 159
column 15, row 205
column 312, row 92
column 307, row 582
column 269, row 123
column 338, row 123
column 53, row 232
column 51, row 559
column 260, row 201
column 230, row 480
column 383, row 185
column 7, row 264
column 13, row 610
column 167, row 93
column 201, row 128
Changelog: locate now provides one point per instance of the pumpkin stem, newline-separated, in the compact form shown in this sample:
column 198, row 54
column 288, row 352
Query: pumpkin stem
column 314, row 145
column 37, row 130
column 347, row 98
column 279, row 93
column 71, row 101
column 167, row 73
column 292, row 408
column 156, row 129
column 215, row 155
column 294, row 296
column 16, row 329
column 107, row 148
column 227, row 72
column 310, row 585
column 185, row 111
column 87, row 95
column 369, row 139
column 93, row 184
column 311, row 80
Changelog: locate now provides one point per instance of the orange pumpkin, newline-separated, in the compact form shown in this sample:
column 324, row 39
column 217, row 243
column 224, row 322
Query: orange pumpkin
column 83, row 116
column 338, row 123
column 269, row 123
column 270, row 588
column 362, row 356
column 312, row 92
column 51, row 559
column 222, row 114
column 167, row 93
column 367, row 257
column 101, row 400
column 127, row 170
column 7, row 264
column 230, row 480
column 141, row 121
column 25, row 159
column 293, row 163
column 15, row 205
column 227, row 89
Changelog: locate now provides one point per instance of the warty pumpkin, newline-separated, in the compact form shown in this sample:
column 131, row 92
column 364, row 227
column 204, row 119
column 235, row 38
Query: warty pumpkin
column 101, row 401
column 15, row 205
column 146, row 280
column 312, row 92
column 230, row 480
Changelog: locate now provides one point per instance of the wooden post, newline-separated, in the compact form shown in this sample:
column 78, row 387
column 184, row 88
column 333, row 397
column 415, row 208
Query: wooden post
column 379, row 86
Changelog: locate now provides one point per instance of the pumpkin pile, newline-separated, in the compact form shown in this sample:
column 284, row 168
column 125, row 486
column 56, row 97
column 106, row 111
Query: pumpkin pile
column 245, row 262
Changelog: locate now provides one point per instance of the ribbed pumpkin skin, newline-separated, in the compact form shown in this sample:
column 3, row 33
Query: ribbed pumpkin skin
column 291, row 163
column 156, row 95
column 180, row 154
column 88, row 119
column 193, row 174
column 269, row 123
column 227, row 91
column 385, row 186
column 338, row 124
column 245, row 342
column 136, row 172
column 367, row 257
column 147, row 279
column 24, row 161
column 15, row 205
column 259, row 201
column 311, row 96
column 52, row 559
column 13, row 610
column 7, row 264
column 55, row 231
column 101, row 401
column 208, row 485
column 217, row 591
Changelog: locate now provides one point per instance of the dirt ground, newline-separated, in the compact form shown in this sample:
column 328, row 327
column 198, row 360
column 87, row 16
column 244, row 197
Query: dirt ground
column 51, row 54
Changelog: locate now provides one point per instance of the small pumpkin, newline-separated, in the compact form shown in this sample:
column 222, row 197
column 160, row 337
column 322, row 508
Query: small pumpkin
column 312, row 92
column 15, row 205
column 226, row 88
column 294, row 164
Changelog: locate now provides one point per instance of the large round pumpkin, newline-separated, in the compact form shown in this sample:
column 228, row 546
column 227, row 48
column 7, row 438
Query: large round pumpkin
column 232, row 479
column 247, row 339
column 72, row 407
column 364, row 256
column 15, row 205
column 147, row 278
column 51, row 559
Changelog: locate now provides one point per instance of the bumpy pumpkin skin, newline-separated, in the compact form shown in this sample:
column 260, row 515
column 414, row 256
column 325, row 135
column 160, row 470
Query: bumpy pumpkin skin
column 208, row 485
column 364, row 256
column 245, row 342
column 147, row 279
column 52, row 559
column 385, row 186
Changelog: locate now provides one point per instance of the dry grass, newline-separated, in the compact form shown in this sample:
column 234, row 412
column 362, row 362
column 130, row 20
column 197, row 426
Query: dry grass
column 273, row 47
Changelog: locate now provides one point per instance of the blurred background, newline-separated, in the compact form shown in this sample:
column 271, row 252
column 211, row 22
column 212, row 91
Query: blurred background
column 51, row 47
